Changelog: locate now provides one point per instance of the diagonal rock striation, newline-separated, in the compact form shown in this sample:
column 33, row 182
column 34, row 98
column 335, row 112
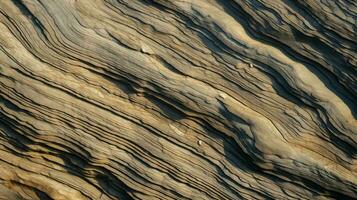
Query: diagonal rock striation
column 178, row 99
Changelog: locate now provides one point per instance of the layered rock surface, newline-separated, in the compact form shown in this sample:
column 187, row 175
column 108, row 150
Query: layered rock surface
column 178, row 99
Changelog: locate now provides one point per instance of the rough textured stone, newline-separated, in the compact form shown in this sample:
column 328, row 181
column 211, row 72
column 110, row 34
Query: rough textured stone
column 178, row 99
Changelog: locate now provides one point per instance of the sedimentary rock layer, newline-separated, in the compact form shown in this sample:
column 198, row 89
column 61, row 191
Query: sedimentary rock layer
column 178, row 99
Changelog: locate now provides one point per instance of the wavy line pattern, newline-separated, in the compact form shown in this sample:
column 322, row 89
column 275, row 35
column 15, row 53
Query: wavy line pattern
column 178, row 99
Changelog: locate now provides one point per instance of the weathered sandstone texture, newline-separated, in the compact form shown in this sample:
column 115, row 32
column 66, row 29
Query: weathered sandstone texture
column 178, row 99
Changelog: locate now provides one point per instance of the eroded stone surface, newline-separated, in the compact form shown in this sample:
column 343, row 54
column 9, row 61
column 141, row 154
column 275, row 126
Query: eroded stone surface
column 178, row 99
